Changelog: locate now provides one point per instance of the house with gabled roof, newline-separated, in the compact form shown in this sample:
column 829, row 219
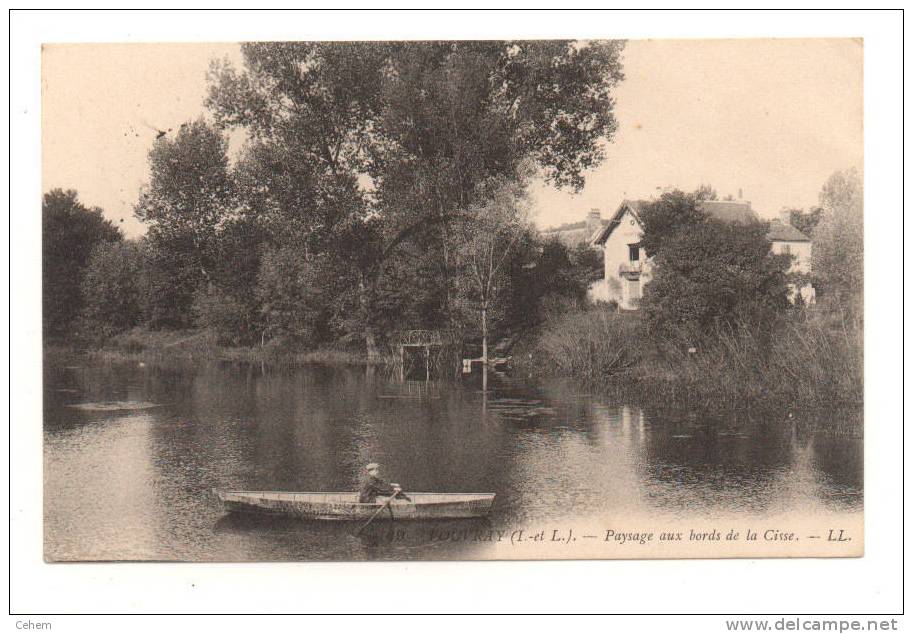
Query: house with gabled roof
column 628, row 270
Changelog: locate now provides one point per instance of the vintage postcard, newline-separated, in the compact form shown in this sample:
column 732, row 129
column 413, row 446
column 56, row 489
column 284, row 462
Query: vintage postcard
column 452, row 300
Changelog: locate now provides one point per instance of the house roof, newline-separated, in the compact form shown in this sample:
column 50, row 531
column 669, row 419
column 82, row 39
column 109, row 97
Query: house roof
column 567, row 226
column 572, row 226
column 724, row 210
column 634, row 206
column 573, row 233
column 729, row 211
column 780, row 232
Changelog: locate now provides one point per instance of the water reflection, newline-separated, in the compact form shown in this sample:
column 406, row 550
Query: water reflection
column 128, row 484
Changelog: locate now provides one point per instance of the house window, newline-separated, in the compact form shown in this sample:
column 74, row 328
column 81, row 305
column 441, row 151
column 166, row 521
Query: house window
column 634, row 252
column 785, row 249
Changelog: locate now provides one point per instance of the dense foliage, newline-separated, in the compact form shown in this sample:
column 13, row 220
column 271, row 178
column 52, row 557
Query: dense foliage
column 374, row 154
column 114, row 289
column 380, row 188
column 368, row 186
column 187, row 200
column 837, row 253
column 708, row 273
column 70, row 231
column 669, row 216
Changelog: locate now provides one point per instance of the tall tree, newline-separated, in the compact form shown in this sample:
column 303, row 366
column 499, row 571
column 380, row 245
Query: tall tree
column 485, row 242
column 308, row 110
column 838, row 249
column 70, row 231
column 187, row 201
column 391, row 140
column 462, row 113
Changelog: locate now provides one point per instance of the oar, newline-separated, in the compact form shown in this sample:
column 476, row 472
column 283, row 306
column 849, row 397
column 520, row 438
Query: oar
column 376, row 513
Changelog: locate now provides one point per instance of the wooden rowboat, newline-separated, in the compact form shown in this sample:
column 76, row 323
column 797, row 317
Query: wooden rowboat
column 345, row 506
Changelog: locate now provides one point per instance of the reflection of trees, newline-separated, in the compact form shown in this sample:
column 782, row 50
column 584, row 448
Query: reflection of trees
column 440, row 443
column 736, row 464
column 314, row 429
column 546, row 451
column 303, row 435
column 548, row 407
column 840, row 463
column 720, row 465
column 577, row 463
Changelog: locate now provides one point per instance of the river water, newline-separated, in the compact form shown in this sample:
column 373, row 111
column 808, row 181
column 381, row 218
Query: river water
column 131, row 454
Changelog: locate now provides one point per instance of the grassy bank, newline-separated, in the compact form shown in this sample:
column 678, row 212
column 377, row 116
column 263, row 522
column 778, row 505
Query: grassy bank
column 810, row 361
column 192, row 346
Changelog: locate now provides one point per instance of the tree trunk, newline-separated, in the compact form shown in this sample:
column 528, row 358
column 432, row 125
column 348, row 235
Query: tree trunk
column 484, row 349
column 371, row 345
column 484, row 337
column 370, row 339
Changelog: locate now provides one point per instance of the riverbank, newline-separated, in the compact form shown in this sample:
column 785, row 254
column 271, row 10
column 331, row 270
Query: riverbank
column 141, row 345
column 814, row 364
column 810, row 362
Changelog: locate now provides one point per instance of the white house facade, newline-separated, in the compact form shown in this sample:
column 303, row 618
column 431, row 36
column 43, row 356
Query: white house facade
column 628, row 270
column 786, row 239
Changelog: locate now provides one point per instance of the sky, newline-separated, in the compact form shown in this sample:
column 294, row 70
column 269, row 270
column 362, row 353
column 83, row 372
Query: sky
column 772, row 117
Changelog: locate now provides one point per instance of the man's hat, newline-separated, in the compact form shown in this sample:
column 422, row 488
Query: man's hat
column 372, row 466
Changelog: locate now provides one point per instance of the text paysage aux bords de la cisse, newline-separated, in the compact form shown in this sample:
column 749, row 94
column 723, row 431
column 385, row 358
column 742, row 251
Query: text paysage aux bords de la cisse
column 714, row 535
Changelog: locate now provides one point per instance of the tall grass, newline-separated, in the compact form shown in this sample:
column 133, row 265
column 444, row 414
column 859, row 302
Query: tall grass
column 810, row 359
column 595, row 344
column 819, row 359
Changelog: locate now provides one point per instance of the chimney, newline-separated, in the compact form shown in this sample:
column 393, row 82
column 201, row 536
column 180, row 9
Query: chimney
column 740, row 193
column 593, row 220
column 783, row 216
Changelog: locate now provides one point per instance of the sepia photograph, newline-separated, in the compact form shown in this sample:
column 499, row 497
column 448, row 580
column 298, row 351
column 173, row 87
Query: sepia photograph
column 452, row 299
column 325, row 313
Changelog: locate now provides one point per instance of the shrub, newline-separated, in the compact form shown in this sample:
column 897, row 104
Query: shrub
column 708, row 274
column 715, row 276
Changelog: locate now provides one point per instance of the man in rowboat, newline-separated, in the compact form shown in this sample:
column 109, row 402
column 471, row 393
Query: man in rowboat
column 375, row 485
